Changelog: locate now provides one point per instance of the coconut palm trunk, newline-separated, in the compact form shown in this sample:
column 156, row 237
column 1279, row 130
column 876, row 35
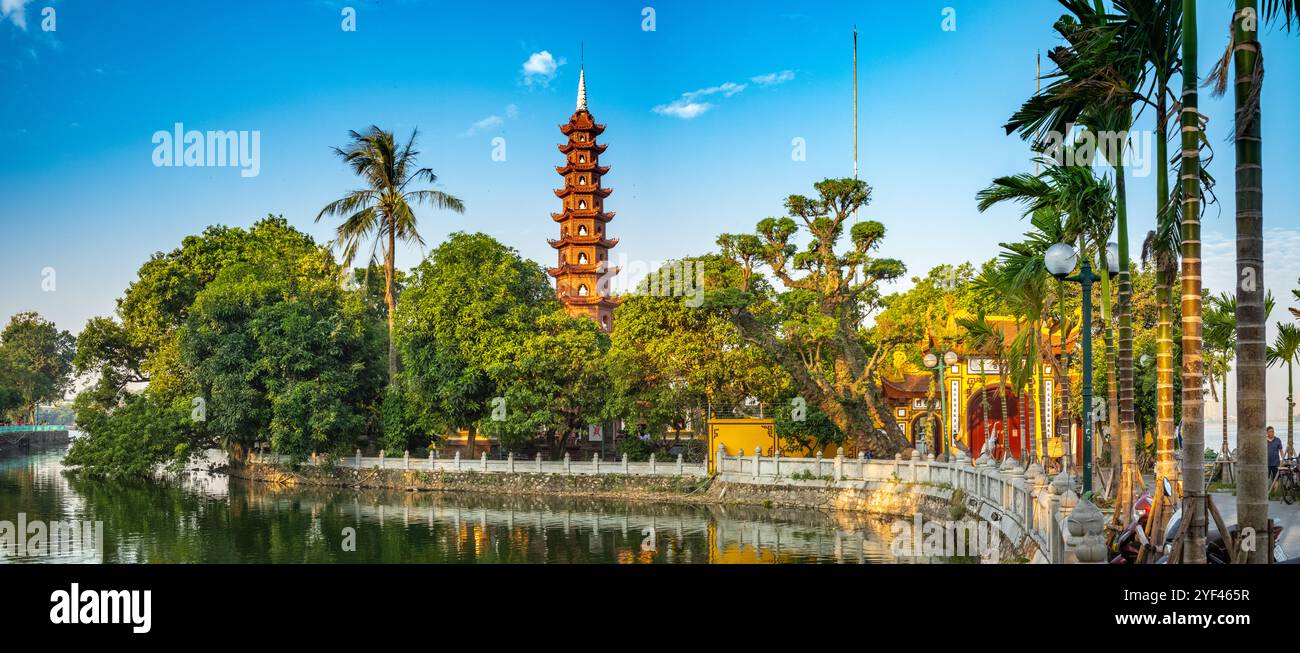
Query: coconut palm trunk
column 1252, row 485
column 1193, row 365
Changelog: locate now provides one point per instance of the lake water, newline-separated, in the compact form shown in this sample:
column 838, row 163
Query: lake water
column 211, row 518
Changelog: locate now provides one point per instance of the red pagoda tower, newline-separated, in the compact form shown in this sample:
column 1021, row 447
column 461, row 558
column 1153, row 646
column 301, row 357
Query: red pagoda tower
column 582, row 274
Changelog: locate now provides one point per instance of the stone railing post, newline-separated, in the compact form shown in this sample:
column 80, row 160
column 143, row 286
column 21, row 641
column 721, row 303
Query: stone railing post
column 539, row 462
column 1085, row 543
column 625, row 470
column 382, row 454
column 929, row 468
column 898, row 462
column 776, row 462
column 482, row 461
column 568, row 464
column 406, row 459
column 679, row 465
column 595, row 463
column 1014, row 475
column 839, row 464
column 819, row 465
column 758, row 460
column 455, row 461
column 431, row 464
column 510, row 462
column 912, row 460
column 719, row 458
column 358, row 463
column 652, row 464
column 862, row 465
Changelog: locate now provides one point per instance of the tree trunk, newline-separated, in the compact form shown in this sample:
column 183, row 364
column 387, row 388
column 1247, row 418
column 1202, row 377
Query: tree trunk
column 1193, row 364
column 1290, row 411
column 1127, row 427
column 1252, row 482
column 1112, row 391
column 1224, row 405
column 1165, row 275
column 390, row 301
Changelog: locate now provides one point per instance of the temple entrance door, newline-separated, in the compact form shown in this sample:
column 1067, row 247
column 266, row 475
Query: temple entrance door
column 932, row 424
column 1008, row 428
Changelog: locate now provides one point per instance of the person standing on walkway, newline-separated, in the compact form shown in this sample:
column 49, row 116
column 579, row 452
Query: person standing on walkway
column 1274, row 455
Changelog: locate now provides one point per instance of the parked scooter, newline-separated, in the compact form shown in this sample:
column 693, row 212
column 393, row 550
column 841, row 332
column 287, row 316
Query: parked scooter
column 1216, row 551
column 1128, row 544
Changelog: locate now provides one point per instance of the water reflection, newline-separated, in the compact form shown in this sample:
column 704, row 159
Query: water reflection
column 209, row 518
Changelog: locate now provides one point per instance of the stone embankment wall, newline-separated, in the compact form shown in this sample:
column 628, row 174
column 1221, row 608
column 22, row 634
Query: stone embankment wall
column 19, row 437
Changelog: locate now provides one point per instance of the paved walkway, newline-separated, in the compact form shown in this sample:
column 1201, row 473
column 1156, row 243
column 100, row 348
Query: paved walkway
column 1287, row 516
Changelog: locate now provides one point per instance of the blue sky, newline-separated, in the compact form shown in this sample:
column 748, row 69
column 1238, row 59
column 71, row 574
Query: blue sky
column 81, row 103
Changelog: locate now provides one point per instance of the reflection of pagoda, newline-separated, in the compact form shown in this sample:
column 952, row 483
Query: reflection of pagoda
column 582, row 273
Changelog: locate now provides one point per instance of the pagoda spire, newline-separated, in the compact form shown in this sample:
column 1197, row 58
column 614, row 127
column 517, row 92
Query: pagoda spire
column 582, row 90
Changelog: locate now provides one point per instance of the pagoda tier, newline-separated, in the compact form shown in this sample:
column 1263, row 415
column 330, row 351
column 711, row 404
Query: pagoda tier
column 599, row 269
column 589, row 189
column 589, row 166
column 588, row 146
column 594, row 214
column 591, row 128
column 606, row 243
column 582, row 271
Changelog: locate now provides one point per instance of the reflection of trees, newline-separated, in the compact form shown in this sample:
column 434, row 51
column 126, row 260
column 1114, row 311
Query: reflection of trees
column 170, row 521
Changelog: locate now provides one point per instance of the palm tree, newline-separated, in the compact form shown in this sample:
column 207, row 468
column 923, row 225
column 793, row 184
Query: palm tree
column 1020, row 282
column 1246, row 54
column 1192, row 322
column 1286, row 349
column 1221, row 344
column 383, row 208
column 1157, row 29
column 1100, row 76
column 1067, row 202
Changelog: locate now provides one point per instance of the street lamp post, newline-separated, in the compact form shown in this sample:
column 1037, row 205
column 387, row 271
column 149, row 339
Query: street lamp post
column 932, row 362
column 1060, row 260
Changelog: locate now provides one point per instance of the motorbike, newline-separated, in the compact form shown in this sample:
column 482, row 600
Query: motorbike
column 1216, row 550
column 1127, row 545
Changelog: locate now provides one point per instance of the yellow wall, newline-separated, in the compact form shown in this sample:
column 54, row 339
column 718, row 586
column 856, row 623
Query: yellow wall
column 741, row 434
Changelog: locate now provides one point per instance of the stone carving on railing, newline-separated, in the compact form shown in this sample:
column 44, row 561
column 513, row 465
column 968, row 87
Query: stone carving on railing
column 1084, row 539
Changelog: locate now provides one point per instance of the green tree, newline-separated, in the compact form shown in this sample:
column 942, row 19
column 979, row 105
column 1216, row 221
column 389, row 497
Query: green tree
column 667, row 360
column 813, row 328
column 283, row 352
column 1286, row 349
column 382, row 210
column 553, row 382
column 1247, row 58
column 256, row 324
column 466, row 307
column 35, row 362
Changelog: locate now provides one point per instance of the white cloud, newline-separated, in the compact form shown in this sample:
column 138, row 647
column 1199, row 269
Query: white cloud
column 772, row 79
column 512, row 112
column 687, row 106
column 683, row 108
column 486, row 123
column 541, row 68
column 15, row 11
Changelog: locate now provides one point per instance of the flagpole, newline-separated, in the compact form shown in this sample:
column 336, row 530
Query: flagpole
column 855, row 113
